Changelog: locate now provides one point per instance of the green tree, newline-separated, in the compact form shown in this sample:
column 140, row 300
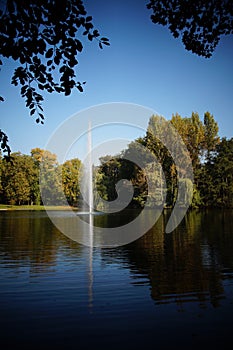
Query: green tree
column 110, row 170
column 195, row 138
column 144, row 171
column 210, row 134
column 201, row 140
column 100, row 188
column 222, row 174
column 114, row 169
column 185, row 186
column 71, row 172
column 159, row 137
column 191, row 130
column 50, row 176
column 17, row 178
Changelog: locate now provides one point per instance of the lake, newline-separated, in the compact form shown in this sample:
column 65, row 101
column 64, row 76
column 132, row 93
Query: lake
column 161, row 291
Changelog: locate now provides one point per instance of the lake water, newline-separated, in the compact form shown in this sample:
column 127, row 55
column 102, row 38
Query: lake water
column 161, row 291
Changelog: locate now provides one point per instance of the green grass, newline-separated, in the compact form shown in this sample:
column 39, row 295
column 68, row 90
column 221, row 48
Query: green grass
column 33, row 207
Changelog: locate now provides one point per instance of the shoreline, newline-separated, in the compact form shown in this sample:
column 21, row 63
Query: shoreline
column 6, row 207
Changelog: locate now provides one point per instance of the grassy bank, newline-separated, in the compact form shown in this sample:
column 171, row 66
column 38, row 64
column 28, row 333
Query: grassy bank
column 34, row 207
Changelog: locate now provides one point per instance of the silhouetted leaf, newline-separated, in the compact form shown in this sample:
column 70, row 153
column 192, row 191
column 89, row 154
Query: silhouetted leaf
column 57, row 60
column 96, row 33
column 49, row 53
column 90, row 37
column 80, row 88
column 79, row 45
column 104, row 39
column 32, row 111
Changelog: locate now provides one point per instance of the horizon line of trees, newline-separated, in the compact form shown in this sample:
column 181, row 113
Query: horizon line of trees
column 212, row 161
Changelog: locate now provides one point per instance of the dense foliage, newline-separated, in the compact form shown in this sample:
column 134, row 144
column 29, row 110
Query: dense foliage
column 212, row 159
column 200, row 23
column 45, row 39
column 22, row 180
column 47, row 48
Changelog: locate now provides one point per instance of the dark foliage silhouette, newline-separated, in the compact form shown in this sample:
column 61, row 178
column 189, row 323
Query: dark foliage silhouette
column 45, row 37
column 200, row 23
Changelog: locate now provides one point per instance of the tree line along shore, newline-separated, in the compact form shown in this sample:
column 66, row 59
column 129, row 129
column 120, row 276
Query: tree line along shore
column 38, row 179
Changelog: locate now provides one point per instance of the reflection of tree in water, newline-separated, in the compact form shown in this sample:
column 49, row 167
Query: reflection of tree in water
column 186, row 265
column 32, row 238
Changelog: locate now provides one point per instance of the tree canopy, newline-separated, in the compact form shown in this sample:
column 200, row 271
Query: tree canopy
column 155, row 181
column 45, row 39
column 200, row 23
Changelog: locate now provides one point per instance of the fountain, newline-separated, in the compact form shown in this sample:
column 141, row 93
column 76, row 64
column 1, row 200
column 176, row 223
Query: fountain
column 91, row 205
column 87, row 188
column 87, row 179
column 90, row 170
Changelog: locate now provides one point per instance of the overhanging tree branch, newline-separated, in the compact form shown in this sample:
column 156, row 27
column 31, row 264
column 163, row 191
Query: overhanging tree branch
column 200, row 23
column 43, row 36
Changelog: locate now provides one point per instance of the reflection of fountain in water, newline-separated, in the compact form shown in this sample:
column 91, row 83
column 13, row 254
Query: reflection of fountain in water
column 87, row 213
column 89, row 187
column 90, row 272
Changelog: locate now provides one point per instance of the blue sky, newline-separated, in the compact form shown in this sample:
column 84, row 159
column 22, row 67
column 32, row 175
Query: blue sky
column 144, row 65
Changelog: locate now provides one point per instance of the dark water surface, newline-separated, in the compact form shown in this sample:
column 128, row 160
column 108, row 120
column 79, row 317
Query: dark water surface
column 162, row 291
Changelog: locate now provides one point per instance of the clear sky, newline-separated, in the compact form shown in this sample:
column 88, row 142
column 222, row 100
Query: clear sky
column 144, row 65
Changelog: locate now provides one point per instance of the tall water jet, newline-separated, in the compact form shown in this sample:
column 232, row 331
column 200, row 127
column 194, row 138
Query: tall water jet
column 91, row 208
column 87, row 178
column 90, row 169
column 89, row 187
